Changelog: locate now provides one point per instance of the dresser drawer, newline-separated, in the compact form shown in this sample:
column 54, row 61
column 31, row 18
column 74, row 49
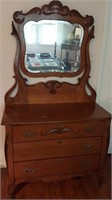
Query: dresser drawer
column 58, row 166
column 57, row 130
column 56, row 148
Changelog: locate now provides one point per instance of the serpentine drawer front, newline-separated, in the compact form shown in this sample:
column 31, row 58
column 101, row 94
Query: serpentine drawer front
column 59, row 166
column 56, row 148
column 60, row 130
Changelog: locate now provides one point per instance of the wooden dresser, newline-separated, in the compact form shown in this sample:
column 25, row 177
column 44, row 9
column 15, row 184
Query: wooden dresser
column 54, row 129
column 55, row 142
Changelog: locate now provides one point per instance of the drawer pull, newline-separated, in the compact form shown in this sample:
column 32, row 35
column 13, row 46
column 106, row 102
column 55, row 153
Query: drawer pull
column 88, row 146
column 61, row 131
column 29, row 134
column 52, row 131
column 89, row 129
column 30, row 171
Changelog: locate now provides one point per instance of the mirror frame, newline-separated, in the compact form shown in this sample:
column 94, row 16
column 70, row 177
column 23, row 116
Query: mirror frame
column 57, row 11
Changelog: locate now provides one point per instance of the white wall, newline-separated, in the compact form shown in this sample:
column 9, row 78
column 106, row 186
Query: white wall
column 96, row 8
column 104, row 85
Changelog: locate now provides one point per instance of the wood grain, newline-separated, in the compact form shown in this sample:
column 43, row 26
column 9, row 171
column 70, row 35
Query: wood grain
column 71, row 112
column 80, row 188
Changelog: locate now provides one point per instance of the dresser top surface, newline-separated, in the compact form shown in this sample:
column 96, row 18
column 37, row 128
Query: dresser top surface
column 47, row 113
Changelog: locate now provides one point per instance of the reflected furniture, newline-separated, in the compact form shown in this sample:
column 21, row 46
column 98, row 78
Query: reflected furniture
column 54, row 128
column 75, row 62
column 38, row 63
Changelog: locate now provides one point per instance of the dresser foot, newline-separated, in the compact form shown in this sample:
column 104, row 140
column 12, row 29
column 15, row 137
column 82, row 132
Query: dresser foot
column 11, row 196
column 12, row 191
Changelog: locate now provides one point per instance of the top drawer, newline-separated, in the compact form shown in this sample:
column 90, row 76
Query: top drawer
column 47, row 131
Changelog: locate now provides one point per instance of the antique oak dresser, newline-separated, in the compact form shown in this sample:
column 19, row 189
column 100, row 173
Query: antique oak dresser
column 54, row 128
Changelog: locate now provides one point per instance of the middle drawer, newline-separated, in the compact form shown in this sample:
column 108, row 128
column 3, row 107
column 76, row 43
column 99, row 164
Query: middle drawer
column 56, row 148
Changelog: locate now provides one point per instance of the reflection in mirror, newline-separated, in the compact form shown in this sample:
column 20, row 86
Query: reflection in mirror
column 52, row 46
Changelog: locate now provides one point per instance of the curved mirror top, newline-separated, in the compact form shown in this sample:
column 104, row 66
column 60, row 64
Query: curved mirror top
column 52, row 46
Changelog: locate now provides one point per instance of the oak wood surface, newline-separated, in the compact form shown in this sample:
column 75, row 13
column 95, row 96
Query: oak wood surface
column 58, row 130
column 56, row 148
column 39, row 113
column 58, row 167
column 80, row 188
column 85, row 114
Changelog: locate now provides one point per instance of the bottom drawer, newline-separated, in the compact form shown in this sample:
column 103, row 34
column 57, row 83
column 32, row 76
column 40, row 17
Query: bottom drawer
column 59, row 166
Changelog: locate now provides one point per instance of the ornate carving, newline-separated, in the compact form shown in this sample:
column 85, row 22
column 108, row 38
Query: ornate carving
column 88, row 21
column 60, row 131
column 19, row 17
column 54, row 7
column 52, row 86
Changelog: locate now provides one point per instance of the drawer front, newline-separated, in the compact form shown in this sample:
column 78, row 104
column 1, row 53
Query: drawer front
column 59, row 166
column 57, row 130
column 56, row 148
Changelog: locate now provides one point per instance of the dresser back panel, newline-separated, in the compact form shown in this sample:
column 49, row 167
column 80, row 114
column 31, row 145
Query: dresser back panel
column 59, row 93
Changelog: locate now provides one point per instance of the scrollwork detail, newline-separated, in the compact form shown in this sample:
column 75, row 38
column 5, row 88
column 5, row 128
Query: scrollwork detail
column 19, row 17
column 88, row 21
column 52, row 86
column 54, row 7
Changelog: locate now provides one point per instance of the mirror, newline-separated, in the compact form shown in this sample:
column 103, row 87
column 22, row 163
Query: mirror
column 53, row 41
column 52, row 46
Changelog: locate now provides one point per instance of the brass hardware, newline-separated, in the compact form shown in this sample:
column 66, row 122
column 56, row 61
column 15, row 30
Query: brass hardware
column 30, row 171
column 29, row 134
column 89, row 129
column 53, row 131
column 88, row 146
column 66, row 129
column 44, row 116
column 60, row 131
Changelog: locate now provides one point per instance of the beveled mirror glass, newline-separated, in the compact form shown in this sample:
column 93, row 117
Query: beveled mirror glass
column 52, row 41
column 52, row 46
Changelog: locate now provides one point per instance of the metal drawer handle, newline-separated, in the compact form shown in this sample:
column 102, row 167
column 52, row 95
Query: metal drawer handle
column 89, row 129
column 70, row 130
column 61, row 131
column 53, row 131
column 30, row 171
column 88, row 146
column 29, row 134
